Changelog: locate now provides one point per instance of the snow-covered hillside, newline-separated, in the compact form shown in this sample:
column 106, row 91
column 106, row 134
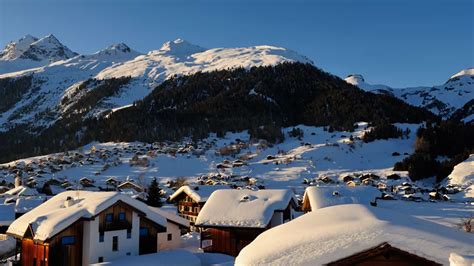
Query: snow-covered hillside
column 318, row 154
column 30, row 52
column 60, row 79
column 463, row 177
column 57, row 81
column 441, row 99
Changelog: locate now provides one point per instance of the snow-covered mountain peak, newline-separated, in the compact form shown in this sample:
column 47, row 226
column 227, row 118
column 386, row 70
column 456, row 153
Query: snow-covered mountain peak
column 15, row 49
column 48, row 48
column 441, row 99
column 117, row 50
column 179, row 48
column 464, row 72
column 355, row 79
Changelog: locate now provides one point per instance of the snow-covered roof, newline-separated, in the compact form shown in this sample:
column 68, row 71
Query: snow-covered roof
column 198, row 193
column 21, row 191
column 7, row 214
column 320, row 197
column 52, row 217
column 337, row 232
column 167, row 257
column 24, row 205
column 170, row 216
column 243, row 208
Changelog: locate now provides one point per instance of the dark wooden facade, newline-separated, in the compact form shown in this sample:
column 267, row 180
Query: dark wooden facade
column 149, row 241
column 54, row 252
column 229, row 240
column 188, row 208
column 384, row 255
column 116, row 224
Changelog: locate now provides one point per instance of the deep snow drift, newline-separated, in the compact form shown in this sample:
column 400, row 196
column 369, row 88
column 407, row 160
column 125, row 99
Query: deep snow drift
column 333, row 233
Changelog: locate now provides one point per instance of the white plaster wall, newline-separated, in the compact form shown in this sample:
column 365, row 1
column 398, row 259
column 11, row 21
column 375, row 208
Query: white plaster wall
column 163, row 242
column 96, row 249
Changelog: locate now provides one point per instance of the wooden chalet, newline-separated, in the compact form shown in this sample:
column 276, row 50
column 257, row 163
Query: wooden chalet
column 80, row 228
column 191, row 199
column 129, row 185
column 358, row 234
column 232, row 219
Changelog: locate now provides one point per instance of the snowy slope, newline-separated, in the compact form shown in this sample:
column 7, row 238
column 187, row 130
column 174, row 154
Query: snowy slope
column 463, row 176
column 30, row 52
column 57, row 81
column 441, row 99
column 180, row 57
column 60, row 79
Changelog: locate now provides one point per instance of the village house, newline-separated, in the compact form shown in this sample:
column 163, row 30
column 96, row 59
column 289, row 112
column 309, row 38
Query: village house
column 130, row 185
column 325, row 196
column 231, row 219
column 356, row 234
column 191, row 199
column 83, row 227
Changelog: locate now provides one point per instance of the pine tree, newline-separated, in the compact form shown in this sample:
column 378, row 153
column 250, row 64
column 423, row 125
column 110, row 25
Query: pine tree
column 154, row 198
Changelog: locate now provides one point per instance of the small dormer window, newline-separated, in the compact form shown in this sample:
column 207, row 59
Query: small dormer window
column 109, row 217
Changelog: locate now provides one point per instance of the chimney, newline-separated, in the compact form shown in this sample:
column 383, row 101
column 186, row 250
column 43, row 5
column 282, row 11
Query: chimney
column 69, row 202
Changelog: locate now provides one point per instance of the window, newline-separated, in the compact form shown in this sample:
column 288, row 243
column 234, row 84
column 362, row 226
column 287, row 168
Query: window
column 101, row 237
column 170, row 237
column 122, row 216
column 109, row 217
column 101, row 259
column 143, row 231
column 115, row 243
column 68, row 240
column 128, row 253
column 129, row 233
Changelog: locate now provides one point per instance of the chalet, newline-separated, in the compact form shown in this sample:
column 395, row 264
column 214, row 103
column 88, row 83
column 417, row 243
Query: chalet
column 83, row 227
column 111, row 181
column 321, row 197
column 191, row 199
column 231, row 219
column 86, row 182
column 130, row 185
column 356, row 234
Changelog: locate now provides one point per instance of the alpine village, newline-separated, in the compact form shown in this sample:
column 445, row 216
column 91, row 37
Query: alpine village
column 176, row 154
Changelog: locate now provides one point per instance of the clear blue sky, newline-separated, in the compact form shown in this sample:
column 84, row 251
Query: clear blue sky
column 398, row 43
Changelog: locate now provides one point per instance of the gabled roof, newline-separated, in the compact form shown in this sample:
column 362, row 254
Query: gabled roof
column 53, row 216
column 325, row 196
column 333, row 233
column 24, row 205
column 243, row 208
column 139, row 187
column 197, row 193
column 21, row 191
